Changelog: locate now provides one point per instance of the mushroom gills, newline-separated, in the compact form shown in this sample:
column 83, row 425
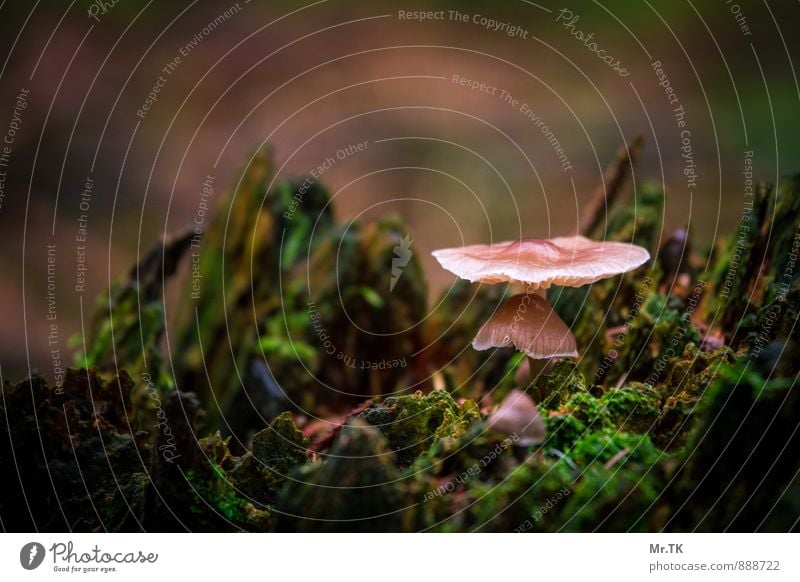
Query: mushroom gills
column 527, row 322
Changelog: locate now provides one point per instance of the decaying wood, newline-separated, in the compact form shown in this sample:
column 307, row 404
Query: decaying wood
column 614, row 179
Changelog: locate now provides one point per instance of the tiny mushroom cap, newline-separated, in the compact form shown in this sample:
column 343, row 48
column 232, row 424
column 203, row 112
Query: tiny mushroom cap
column 568, row 261
column 528, row 323
column 518, row 415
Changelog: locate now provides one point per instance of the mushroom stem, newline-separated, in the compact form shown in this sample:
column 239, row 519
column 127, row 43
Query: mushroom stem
column 538, row 367
column 531, row 368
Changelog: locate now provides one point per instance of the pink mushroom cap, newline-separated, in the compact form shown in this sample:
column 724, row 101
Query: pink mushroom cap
column 539, row 263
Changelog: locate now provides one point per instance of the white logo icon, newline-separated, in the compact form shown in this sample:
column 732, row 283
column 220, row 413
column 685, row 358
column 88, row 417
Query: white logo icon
column 402, row 254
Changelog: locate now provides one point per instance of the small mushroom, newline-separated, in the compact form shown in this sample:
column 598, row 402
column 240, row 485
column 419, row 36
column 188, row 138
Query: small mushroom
column 674, row 259
column 526, row 321
column 518, row 416
column 673, row 256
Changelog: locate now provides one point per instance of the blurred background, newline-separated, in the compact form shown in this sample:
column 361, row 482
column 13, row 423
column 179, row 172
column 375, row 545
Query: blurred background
column 490, row 124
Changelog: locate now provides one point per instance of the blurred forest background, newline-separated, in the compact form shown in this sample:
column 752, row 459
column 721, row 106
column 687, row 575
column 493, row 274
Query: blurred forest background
column 458, row 165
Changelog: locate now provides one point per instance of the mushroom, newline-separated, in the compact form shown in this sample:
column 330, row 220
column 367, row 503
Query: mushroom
column 569, row 261
column 526, row 321
column 518, row 416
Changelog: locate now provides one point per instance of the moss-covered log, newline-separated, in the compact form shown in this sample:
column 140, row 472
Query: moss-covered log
column 681, row 413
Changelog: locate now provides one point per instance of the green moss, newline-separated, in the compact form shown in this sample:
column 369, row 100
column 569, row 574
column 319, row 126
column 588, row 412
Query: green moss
column 687, row 381
column 588, row 409
column 745, row 399
column 602, row 445
column 616, row 499
column 563, row 430
column 277, row 449
column 355, row 488
column 219, row 493
column 413, row 423
column 561, row 381
column 634, row 408
column 656, row 338
column 527, row 499
column 281, row 446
